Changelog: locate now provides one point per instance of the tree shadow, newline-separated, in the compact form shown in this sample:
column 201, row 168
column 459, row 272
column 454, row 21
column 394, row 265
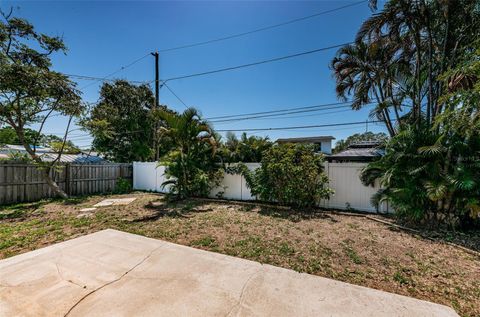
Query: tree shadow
column 22, row 211
column 76, row 200
column 291, row 214
column 466, row 239
column 162, row 208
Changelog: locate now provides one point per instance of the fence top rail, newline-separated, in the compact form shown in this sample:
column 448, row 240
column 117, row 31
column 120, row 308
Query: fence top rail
column 64, row 164
column 100, row 165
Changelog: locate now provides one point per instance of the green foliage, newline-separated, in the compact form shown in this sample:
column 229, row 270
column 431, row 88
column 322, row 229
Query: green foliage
column 402, row 171
column 123, row 186
column 190, row 165
column 399, row 56
column 431, row 174
column 30, row 92
column 122, row 123
column 290, row 175
column 68, row 147
column 9, row 136
column 20, row 157
column 358, row 137
column 416, row 60
column 246, row 149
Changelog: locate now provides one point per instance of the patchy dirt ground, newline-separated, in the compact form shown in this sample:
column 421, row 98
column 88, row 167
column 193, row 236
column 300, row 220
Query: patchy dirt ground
column 348, row 248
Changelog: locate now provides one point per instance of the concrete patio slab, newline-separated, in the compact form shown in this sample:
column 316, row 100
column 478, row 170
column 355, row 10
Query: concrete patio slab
column 115, row 202
column 112, row 273
column 88, row 209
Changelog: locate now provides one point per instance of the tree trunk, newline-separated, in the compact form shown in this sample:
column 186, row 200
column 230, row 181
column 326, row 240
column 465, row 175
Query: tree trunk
column 46, row 174
column 53, row 185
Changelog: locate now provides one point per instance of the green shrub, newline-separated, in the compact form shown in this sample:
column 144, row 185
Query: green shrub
column 190, row 165
column 123, row 186
column 289, row 175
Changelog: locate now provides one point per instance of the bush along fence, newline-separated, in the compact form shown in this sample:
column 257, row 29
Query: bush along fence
column 23, row 182
column 343, row 179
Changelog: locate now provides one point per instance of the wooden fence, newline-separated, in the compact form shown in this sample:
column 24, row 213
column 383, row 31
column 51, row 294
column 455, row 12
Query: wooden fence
column 20, row 182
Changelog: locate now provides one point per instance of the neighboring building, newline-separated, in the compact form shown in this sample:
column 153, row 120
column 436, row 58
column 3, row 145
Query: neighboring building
column 324, row 142
column 365, row 151
column 48, row 155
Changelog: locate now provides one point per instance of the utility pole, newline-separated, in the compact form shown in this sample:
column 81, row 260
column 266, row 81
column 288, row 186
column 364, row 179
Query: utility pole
column 157, row 81
column 156, row 105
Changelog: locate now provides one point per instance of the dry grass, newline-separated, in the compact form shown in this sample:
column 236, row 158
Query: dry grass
column 347, row 248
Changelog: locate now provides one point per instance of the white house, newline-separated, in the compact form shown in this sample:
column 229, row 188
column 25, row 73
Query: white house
column 324, row 142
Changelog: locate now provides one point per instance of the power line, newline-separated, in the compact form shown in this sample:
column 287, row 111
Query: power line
column 84, row 77
column 280, row 114
column 116, row 72
column 176, row 96
column 299, row 127
column 261, row 29
column 276, row 59
column 77, row 138
column 280, row 110
column 293, row 117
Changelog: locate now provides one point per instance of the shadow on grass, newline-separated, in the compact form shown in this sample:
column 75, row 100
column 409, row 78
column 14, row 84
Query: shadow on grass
column 468, row 239
column 174, row 209
column 19, row 211
column 74, row 200
column 294, row 214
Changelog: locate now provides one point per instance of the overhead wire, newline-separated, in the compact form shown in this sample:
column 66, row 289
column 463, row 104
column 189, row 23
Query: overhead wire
column 84, row 77
column 300, row 127
column 276, row 115
column 292, row 117
column 265, row 28
column 176, row 96
column 275, row 59
column 117, row 71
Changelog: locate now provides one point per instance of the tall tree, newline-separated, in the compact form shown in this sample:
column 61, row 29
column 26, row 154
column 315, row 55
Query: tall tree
column 429, row 170
column 30, row 92
column 190, row 164
column 122, row 123
column 361, row 71
column 246, row 149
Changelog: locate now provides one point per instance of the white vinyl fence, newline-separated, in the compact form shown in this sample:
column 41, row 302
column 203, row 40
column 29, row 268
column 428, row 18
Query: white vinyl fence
column 344, row 179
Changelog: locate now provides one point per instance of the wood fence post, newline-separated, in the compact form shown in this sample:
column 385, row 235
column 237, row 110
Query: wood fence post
column 67, row 179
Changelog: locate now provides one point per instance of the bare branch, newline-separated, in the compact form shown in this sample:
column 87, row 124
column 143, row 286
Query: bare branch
column 41, row 128
column 64, row 141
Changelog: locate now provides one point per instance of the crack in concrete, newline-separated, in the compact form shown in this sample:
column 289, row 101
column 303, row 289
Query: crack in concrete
column 242, row 293
column 60, row 273
column 26, row 284
column 111, row 282
column 64, row 279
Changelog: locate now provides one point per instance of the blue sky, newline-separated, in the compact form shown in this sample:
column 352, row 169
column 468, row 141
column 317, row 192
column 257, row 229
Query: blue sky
column 103, row 36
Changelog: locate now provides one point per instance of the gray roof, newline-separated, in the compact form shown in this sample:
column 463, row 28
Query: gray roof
column 73, row 158
column 360, row 151
column 365, row 144
column 311, row 139
column 21, row 148
column 48, row 155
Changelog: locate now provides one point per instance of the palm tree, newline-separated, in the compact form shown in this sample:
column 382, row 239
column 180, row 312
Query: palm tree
column 417, row 53
column 359, row 72
column 425, row 36
column 191, row 160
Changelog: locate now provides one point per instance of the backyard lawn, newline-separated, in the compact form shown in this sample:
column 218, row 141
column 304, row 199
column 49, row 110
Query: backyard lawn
column 344, row 247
